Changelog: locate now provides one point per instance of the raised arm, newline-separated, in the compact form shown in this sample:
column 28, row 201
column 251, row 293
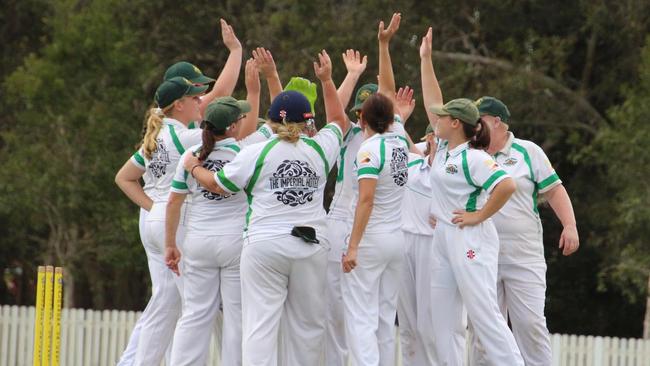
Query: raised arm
column 386, row 76
column 560, row 202
column 266, row 65
column 431, row 93
column 404, row 106
column 227, row 79
column 333, row 109
column 252, row 76
column 356, row 65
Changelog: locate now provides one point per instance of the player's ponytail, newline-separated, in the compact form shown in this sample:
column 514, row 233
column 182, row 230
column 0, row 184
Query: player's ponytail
column 209, row 138
column 478, row 135
column 152, row 128
column 289, row 131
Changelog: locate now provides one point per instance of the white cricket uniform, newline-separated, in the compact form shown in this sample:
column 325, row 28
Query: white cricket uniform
column 370, row 290
column 465, row 265
column 521, row 279
column 339, row 225
column 414, row 306
column 282, row 276
column 211, row 252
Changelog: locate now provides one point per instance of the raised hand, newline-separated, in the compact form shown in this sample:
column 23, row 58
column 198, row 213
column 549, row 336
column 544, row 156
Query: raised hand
column 425, row 46
column 323, row 68
column 252, row 77
column 404, row 103
column 385, row 34
column 265, row 63
column 228, row 35
column 354, row 63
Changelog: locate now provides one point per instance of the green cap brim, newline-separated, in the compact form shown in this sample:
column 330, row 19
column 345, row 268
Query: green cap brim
column 196, row 90
column 202, row 79
column 439, row 110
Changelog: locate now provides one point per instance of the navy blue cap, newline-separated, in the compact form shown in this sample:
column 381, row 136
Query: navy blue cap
column 290, row 106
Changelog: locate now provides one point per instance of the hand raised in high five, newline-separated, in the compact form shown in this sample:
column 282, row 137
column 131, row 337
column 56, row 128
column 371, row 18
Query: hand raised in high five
column 385, row 34
column 252, row 77
column 323, row 68
column 404, row 103
column 425, row 46
column 265, row 63
column 228, row 35
column 354, row 63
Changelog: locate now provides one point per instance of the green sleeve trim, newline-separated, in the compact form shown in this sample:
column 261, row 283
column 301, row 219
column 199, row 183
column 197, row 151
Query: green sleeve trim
column 470, row 206
column 259, row 163
column 177, row 142
column 232, row 187
column 382, row 153
column 368, row 171
column 415, row 162
column 488, row 183
column 336, row 130
column 179, row 185
column 319, row 150
column 138, row 158
column 264, row 130
column 235, row 148
column 524, row 152
column 548, row 181
column 339, row 176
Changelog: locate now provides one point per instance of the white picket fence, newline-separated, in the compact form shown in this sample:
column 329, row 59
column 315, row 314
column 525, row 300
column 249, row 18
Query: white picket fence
column 97, row 338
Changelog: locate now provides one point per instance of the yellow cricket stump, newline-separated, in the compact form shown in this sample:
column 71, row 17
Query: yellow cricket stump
column 47, row 326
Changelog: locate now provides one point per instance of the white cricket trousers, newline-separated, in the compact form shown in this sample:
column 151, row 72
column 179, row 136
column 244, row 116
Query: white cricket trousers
column 283, row 280
column 128, row 356
column 465, row 271
column 210, row 275
column 370, row 294
column 521, row 290
column 336, row 350
column 164, row 307
column 414, row 306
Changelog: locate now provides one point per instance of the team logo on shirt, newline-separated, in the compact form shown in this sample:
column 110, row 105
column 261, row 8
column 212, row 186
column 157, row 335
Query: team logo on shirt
column 451, row 169
column 213, row 166
column 159, row 159
column 490, row 163
column 294, row 182
column 399, row 166
column 510, row 161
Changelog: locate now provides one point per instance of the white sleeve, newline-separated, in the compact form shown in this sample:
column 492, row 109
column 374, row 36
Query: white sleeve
column 330, row 138
column 262, row 134
column 138, row 159
column 189, row 138
column 483, row 170
column 545, row 176
column 369, row 163
column 179, row 182
column 235, row 175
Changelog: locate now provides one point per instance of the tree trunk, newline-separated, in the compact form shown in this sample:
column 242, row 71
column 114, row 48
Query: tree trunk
column 646, row 321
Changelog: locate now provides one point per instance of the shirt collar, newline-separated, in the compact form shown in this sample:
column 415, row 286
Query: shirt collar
column 458, row 149
column 506, row 148
column 174, row 122
column 225, row 142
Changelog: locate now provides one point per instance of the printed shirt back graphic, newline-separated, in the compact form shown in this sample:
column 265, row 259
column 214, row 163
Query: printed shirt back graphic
column 209, row 213
column 461, row 179
column 284, row 183
column 417, row 197
column 384, row 157
column 344, row 200
column 518, row 223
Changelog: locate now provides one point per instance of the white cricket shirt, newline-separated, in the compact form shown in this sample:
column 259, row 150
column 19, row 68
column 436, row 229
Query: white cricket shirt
column 284, row 183
column 417, row 197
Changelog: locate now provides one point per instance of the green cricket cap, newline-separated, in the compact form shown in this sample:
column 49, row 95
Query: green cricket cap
column 363, row 93
column 225, row 111
column 188, row 71
column 493, row 107
column 463, row 109
column 304, row 87
column 175, row 88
